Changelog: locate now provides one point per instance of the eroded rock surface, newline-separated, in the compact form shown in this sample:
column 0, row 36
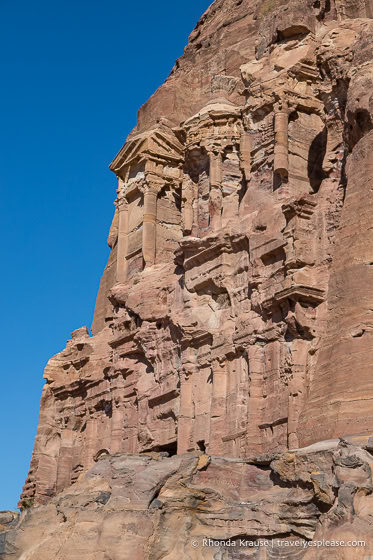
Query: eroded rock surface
column 234, row 316
column 149, row 506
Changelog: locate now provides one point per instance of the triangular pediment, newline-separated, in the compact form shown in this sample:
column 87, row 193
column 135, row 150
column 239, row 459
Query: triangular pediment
column 160, row 142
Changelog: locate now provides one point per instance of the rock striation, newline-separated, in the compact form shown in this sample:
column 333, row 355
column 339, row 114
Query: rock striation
column 233, row 324
column 193, row 506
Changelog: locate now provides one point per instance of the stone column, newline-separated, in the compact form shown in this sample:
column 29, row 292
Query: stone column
column 254, row 444
column 117, row 429
column 195, row 209
column 65, row 459
column 245, row 154
column 91, row 439
column 297, row 389
column 218, row 408
column 186, row 416
column 215, row 189
column 187, row 199
column 150, row 223
column 122, row 252
column 281, row 156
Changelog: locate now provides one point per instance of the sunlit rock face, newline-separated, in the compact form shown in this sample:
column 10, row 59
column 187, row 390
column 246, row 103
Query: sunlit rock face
column 234, row 317
column 148, row 506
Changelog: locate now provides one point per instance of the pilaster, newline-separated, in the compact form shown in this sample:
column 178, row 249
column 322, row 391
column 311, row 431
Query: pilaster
column 281, row 150
column 150, row 222
column 122, row 207
column 216, row 172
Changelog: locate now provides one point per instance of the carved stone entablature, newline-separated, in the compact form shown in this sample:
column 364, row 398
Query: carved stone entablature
column 305, row 102
column 308, row 294
column 304, row 293
column 304, row 71
column 266, row 248
column 261, row 103
column 215, row 122
column 303, row 208
column 198, row 251
column 193, row 337
column 216, row 126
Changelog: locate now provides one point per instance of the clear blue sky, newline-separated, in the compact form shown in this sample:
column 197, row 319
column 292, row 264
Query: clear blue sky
column 73, row 75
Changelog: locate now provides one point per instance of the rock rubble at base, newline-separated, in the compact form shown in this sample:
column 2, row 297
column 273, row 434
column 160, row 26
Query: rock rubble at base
column 148, row 506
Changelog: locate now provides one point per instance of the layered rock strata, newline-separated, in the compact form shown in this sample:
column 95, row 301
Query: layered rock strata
column 234, row 315
column 149, row 507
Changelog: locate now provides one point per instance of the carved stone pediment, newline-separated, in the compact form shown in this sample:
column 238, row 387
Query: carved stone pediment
column 160, row 143
column 299, row 292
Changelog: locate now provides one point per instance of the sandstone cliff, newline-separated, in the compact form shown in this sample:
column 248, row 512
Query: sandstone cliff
column 233, row 323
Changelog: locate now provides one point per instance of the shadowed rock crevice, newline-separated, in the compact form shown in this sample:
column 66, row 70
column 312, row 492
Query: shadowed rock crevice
column 316, row 157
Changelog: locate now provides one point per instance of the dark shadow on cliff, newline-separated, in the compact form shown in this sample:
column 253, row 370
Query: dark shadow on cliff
column 316, row 155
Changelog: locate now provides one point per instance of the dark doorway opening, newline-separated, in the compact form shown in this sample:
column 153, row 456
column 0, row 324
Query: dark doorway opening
column 201, row 445
column 170, row 448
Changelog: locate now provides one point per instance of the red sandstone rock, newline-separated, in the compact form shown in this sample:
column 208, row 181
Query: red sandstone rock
column 188, row 506
column 234, row 316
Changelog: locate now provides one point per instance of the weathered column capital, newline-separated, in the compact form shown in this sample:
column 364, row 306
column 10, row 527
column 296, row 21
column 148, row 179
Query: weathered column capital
column 282, row 105
column 215, row 152
column 122, row 204
column 187, row 372
column 152, row 185
column 121, row 197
